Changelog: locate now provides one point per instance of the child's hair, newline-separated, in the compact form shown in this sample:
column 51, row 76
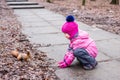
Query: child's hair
column 70, row 27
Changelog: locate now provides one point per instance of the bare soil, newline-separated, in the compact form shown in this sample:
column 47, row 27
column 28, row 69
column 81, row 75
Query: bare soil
column 99, row 13
column 11, row 37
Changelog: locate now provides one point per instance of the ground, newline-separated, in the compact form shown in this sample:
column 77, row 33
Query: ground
column 96, row 14
column 11, row 37
column 99, row 13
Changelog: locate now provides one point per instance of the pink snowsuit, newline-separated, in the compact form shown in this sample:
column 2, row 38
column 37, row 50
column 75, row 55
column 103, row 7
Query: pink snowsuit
column 81, row 41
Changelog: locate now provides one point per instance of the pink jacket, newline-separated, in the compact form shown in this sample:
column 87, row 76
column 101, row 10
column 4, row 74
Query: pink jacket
column 82, row 41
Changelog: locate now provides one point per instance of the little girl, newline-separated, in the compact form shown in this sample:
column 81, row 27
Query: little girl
column 81, row 46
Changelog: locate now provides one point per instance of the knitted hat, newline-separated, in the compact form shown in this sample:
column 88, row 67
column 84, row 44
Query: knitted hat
column 70, row 27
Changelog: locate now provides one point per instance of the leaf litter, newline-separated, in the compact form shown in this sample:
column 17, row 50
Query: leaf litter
column 11, row 37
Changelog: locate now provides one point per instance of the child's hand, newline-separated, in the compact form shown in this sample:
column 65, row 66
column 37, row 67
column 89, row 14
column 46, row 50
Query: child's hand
column 62, row 64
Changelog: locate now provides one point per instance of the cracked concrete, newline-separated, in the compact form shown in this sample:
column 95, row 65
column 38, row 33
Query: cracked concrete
column 43, row 27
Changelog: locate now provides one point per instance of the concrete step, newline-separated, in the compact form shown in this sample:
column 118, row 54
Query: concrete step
column 16, row 0
column 26, row 6
column 22, row 3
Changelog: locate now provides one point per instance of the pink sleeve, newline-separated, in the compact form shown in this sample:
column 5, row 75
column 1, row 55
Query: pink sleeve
column 68, row 59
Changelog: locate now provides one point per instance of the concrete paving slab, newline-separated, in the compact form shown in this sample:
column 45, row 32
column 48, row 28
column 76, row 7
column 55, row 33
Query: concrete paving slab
column 22, row 11
column 98, row 34
column 26, row 14
column 46, row 39
column 50, row 17
column 104, row 71
column 55, row 52
column 42, row 11
column 57, row 23
column 69, row 74
column 30, row 19
column 110, row 47
column 34, row 20
column 101, row 57
column 83, row 26
column 47, row 15
column 40, row 30
column 36, row 24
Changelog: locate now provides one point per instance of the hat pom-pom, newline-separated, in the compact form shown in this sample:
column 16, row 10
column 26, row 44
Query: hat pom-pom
column 70, row 18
